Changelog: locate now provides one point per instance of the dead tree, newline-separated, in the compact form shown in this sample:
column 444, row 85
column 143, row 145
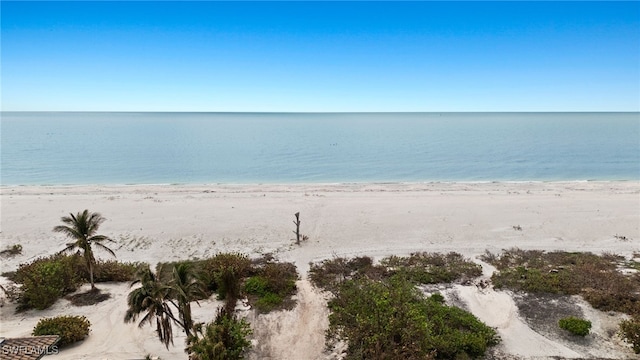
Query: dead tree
column 297, row 232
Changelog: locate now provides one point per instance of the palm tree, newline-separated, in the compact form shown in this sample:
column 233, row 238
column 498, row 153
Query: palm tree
column 82, row 228
column 154, row 298
column 225, row 338
column 186, row 286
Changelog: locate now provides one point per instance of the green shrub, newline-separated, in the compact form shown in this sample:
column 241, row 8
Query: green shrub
column 268, row 302
column 256, row 285
column 457, row 333
column 45, row 280
column 112, row 270
column 272, row 287
column 379, row 320
column 431, row 268
column 391, row 319
column 630, row 331
column 575, row 325
column 330, row 273
column 231, row 275
column 225, row 338
column 70, row 328
column 281, row 277
column 437, row 297
column 225, row 270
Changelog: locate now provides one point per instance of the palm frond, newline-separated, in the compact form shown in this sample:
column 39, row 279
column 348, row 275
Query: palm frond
column 68, row 248
column 99, row 238
column 69, row 231
column 99, row 245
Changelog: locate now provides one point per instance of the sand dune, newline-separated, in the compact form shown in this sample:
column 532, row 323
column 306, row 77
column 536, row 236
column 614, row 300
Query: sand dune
column 163, row 223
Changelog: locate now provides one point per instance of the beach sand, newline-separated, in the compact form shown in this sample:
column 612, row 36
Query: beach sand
column 154, row 223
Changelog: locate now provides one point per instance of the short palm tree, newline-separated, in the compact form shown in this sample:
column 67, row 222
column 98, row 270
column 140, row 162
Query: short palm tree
column 82, row 228
column 154, row 298
column 225, row 338
column 186, row 286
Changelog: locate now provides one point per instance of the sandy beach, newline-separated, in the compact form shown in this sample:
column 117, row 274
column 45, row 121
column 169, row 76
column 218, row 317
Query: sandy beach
column 154, row 223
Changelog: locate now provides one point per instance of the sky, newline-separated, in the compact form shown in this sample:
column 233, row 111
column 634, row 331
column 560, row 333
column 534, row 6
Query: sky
column 320, row 56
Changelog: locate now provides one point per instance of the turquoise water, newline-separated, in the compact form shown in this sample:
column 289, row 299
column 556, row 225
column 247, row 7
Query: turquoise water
column 156, row 148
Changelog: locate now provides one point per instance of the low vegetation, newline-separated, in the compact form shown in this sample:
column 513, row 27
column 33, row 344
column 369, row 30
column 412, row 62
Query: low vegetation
column 575, row 325
column 112, row 270
column 71, row 329
column 421, row 268
column 432, row 268
column 630, row 331
column 46, row 279
column 380, row 313
column 224, row 338
column 225, row 272
column 267, row 284
column 271, row 286
column 165, row 296
column 597, row 278
column 13, row 250
column 392, row 319
column 330, row 273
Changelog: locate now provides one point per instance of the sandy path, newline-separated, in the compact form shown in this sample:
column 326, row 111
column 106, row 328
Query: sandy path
column 289, row 334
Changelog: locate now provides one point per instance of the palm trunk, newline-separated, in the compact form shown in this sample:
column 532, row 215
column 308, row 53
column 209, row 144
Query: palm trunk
column 93, row 286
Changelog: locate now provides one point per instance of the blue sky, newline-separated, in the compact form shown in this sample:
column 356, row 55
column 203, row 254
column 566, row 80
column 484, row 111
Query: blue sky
column 312, row 56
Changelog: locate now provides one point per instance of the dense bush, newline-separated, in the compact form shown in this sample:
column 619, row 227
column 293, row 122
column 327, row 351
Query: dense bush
column 267, row 283
column 272, row 286
column 594, row 277
column 380, row 314
column 575, row 325
column 391, row 319
column 225, row 338
column 46, row 279
column 70, row 328
column 330, row 273
column 630, row 332
column 225, row 270
column 112, row 270
column 256, row 285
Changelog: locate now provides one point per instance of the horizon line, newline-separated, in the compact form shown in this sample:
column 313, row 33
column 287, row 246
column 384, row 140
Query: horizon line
column 313, row 112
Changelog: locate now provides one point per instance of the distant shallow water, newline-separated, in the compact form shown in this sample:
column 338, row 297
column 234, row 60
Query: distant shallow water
column 248, row 148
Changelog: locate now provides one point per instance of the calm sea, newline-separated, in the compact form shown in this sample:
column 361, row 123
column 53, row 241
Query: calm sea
column 166, row 148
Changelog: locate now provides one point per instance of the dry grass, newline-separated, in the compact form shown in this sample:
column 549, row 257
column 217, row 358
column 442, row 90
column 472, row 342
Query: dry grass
column 596, row 277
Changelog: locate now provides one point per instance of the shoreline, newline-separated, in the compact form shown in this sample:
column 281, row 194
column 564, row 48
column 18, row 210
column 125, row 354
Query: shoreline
column 312, row 185
column 324, row 183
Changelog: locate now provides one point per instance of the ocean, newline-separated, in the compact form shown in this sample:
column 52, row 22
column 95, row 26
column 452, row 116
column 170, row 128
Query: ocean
column 65, row 148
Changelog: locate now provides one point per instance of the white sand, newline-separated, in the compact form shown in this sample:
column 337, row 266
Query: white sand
column 164, row 223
